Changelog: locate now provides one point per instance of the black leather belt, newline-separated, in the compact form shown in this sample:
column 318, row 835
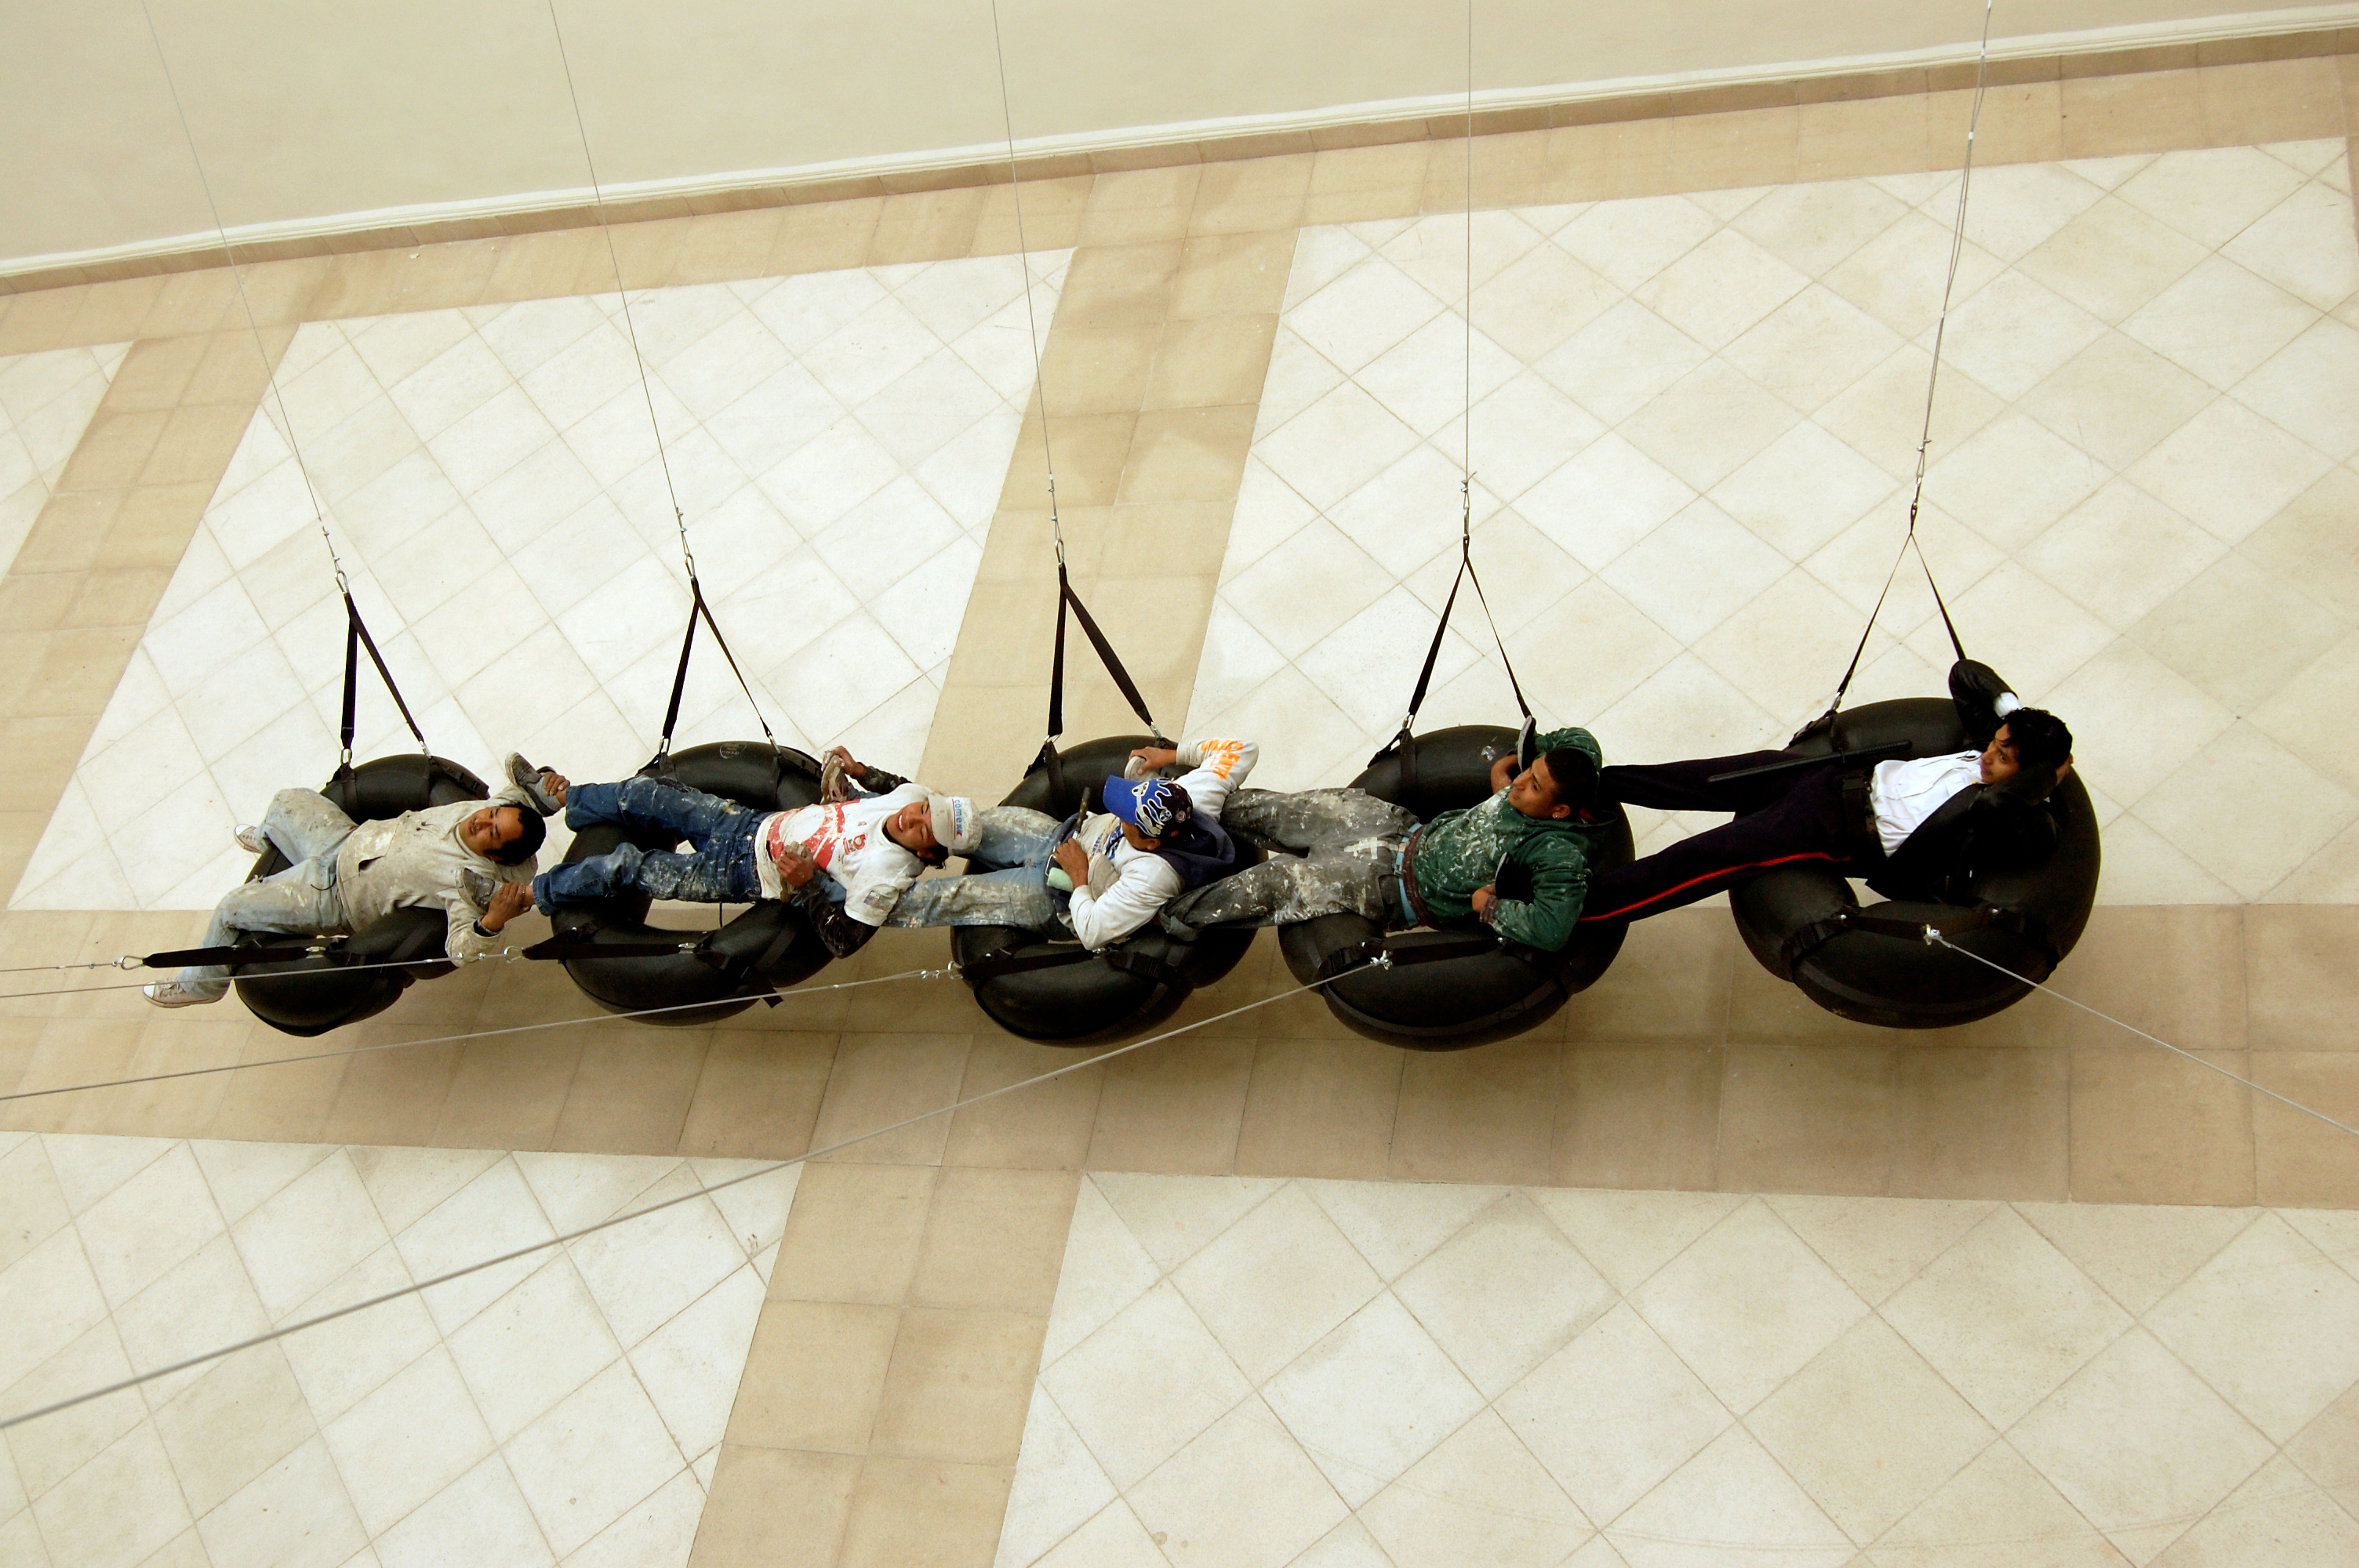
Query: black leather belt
column 1859, row 812
column 1407, row 876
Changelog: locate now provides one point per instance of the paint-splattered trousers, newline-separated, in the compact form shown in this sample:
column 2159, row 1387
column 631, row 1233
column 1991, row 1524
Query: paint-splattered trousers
column 1332, row 852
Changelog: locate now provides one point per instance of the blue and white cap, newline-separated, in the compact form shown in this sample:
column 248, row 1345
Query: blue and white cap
column 1151, row 804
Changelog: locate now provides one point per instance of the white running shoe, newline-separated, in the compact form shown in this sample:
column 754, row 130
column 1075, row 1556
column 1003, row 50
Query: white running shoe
column 168, row 993
column 250, row 839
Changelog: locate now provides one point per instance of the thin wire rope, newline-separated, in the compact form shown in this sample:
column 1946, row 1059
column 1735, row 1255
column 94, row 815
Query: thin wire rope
column 614, row 261
column 237, row 277
column 1023, row 259
column 443, row 1039
column 1935, row 937
column 647, row 389
column 502, row 956
column 770, row 1169
column 1933, row 375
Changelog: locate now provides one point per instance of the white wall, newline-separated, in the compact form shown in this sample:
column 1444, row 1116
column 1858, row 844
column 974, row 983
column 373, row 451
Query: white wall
column 306, row 109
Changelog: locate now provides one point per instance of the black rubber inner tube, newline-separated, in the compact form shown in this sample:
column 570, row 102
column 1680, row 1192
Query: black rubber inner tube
column 764, row 947
column 312, row 995
column 1461, row 997
column 1058, row 993
column 1805, row 925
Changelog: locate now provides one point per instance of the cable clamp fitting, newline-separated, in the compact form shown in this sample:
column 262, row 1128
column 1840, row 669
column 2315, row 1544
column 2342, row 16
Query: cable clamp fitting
column 1383, row 960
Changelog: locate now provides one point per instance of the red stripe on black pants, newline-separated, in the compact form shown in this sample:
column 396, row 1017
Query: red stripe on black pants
column 1782, row 818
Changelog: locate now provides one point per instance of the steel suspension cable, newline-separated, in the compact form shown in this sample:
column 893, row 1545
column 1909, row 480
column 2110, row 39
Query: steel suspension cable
column 1023, row 259
column 1933, row 937
column 1933, row 381
column 770, row 1169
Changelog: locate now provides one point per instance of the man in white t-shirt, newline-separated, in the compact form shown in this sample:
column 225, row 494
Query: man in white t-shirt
column 1918, row 828
column 844, row 863
column 1102, row 874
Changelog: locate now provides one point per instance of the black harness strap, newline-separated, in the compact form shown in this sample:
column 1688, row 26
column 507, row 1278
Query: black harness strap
column 1067, row 599
column 181, row 957
column 1465, row 573
column 356, row 637
column 699, row 610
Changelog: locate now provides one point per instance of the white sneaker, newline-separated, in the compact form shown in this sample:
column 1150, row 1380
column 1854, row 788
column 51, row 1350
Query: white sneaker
column 168, row 993
column 250, row 839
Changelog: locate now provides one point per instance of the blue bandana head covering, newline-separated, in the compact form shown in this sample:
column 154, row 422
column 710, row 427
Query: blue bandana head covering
column 1149, row 804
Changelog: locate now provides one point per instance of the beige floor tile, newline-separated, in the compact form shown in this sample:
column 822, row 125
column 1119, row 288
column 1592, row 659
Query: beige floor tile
column 958, row 1386
column 723, row 247
column 1505, row 1294
column 2296, row 1158
column 2139, row 1445
column 1231, row 275
column 1210, row 361
column 114, row 450
column 1981, row 1123
column 909, row 1511
column 2000, row 1510
column 632, row 1093
column 814, row 1376
column 392, row 1097
column 1045, row 1128
column 881, row 1079
column 1480, row 1494
column 1173, row 1217
column 1744, row 1354
column 2004, row 1316
column 854, row 1233
column 2283, row 1379
column 1135, row 205
column 775, row 1505
column 2292, row 978
column 1252, row 196
column 1174, row 1108
column 2270, row 100
column 2148, row 1127
column 757, row 1094
column 509, row 1094
column 1319, row 1107
column 1486, row 1115
column 1096, row 369
column 1052, row 213
column 994, row 1240
column 1120, row 285
column 2157, row 968
column 1813, row 1119
column 1187, row 454
column 233, row 1424
column 2105, row 116
column 190, row 302
column 1745, row 146
column 543, row 266
column 1869, row 1430
column 1637, row 1115
column 1243, row 1486
column 1090, row 451
column 38, row 319
column 1877, row 1245
column 2021, row 123
column 1871, row 136
column 1733, row 1491
column 822, row 236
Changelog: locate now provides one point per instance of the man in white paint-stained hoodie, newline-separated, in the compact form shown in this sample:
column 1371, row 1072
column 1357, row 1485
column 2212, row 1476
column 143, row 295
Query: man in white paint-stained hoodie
column 1104, row 874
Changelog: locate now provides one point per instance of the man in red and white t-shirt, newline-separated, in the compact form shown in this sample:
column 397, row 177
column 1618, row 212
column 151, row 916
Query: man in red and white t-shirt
column 845, row 862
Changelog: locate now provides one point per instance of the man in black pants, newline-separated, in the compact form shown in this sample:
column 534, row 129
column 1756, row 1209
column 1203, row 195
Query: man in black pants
column 1918, row 828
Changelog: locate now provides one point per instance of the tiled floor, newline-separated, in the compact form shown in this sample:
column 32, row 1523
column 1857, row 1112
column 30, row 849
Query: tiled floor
column 1695, row 420
column 1254, row 1373
column 881, row 1407
column 837, row 440
column 46, row 401
column 564, row 1408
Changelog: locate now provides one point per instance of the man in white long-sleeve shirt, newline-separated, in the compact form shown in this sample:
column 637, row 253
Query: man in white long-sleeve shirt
column 1102, row 874
column 473, row 859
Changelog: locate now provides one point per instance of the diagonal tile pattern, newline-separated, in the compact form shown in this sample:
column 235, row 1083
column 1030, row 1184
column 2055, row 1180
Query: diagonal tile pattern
column 837, row 442
column 565, row 1407
column 1695, row 418
column 1557, row 1376
column 45, row 403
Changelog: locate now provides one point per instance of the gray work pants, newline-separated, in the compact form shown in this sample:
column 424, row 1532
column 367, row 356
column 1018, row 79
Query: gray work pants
column 1329, row 850
column 302, row 900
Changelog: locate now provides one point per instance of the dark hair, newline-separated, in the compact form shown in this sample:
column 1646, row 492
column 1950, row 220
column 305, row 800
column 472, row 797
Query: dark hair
column 1571, row 776
column 2040, row 738
column 524, row 845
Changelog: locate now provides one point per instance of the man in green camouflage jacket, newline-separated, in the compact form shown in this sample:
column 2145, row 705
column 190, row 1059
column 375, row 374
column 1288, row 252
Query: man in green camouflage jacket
column 1342, row 850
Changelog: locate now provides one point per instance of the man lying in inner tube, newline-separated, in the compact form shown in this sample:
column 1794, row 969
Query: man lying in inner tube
column 844, row 863
column 1348, row 852
column 1917, row 828
column 1101, row 875
column 474, row 859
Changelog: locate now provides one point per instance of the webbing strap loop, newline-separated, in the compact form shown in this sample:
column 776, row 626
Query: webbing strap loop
column 698, row 609
column 1067, row 599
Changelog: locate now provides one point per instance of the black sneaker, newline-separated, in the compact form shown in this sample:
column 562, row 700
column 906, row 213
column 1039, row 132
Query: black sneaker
column 527, row 778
